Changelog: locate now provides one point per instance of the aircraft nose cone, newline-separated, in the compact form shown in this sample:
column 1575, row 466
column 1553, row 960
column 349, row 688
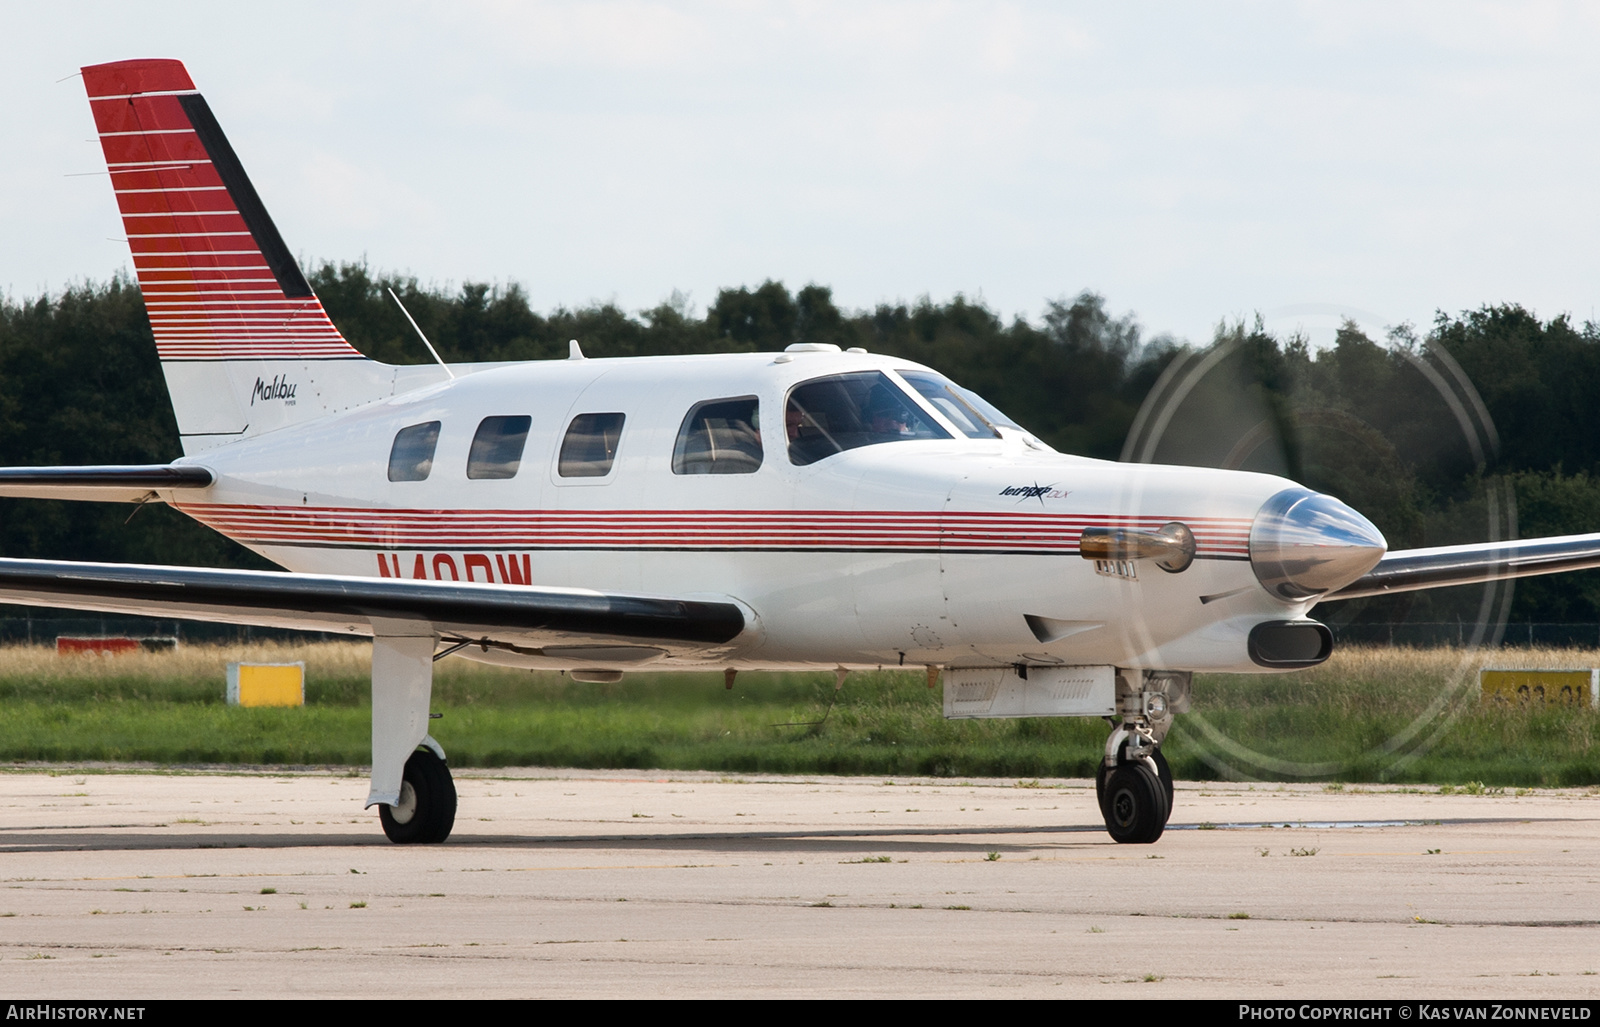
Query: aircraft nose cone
column 1304, row 544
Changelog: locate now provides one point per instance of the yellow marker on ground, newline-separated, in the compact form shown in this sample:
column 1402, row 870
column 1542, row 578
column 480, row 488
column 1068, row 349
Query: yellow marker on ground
column 267, row 684
column 1566, row 687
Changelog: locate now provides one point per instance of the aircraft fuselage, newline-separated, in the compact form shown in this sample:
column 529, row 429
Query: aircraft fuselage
column 955, row 551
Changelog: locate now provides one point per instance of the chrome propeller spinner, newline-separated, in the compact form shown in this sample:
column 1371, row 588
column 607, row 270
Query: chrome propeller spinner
column 1304, row 544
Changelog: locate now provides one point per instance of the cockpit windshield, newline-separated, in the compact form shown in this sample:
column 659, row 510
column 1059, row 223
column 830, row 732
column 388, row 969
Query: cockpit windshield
column 942, row 394
column 846, row 411
column 975, row 416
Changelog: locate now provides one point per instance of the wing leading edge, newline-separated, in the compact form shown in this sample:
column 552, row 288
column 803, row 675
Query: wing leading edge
column 510, row 615
column 1409, row 570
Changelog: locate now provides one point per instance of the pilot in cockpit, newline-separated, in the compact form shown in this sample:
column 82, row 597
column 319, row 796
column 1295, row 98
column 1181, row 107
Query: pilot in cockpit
column 793, row 420
column 886, row 413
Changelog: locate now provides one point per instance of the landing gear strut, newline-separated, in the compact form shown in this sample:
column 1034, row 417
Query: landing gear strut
column 1134, row 783
column 427, row 808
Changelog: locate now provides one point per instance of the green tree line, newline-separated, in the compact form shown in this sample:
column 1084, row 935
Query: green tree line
column 1366, row 419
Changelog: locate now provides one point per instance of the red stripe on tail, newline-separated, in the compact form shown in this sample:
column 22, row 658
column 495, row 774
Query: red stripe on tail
column 220, row 282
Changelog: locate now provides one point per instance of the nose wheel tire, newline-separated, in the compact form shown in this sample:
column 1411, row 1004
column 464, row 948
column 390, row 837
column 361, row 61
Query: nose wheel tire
column 1135, row 803
column 1163, row 772
column 427, row 808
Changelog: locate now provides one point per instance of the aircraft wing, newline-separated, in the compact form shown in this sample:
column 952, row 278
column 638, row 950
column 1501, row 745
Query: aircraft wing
column 117, row 483
column 503, row 615
column 1411, row 569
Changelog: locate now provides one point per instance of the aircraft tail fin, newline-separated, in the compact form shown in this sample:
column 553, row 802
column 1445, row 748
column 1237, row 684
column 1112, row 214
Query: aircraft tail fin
column 243, row 340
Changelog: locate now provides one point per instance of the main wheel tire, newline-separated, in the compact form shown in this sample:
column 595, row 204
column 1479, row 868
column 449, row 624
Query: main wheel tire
column 427, row 808
column 1101, row 773
column 1136, row 805
column 1164, row 772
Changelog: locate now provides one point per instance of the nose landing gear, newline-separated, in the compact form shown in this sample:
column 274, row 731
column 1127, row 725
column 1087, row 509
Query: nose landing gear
column 1134, row 782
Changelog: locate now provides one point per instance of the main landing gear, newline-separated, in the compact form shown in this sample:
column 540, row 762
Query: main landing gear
column 427, row 808
column 411, row 785
column 1134, row 783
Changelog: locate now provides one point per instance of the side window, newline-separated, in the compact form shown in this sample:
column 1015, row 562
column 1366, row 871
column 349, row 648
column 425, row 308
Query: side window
column 590, row 446
column 497, row 447
column 411, row 457
column 721, row 436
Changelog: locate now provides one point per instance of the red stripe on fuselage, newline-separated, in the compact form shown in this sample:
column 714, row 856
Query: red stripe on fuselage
column 353, row 527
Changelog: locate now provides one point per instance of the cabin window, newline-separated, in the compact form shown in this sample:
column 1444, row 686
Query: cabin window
column 411, row 457
column 497, row 447
column 846, row 411
column 948, row 398
column 720, row 436
column 590, row 446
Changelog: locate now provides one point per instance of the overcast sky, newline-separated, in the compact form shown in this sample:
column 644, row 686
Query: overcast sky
column 1191, row 163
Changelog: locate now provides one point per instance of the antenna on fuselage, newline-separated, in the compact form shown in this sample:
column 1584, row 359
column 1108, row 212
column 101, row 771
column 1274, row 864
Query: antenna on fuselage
column 573, row 352
column 424, row 338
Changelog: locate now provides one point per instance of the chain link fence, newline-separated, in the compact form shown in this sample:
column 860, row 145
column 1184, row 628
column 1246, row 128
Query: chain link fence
column 1427, row 635
column 31, row 630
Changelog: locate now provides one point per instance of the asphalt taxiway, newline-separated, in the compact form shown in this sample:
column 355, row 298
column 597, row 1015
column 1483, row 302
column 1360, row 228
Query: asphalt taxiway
column 670, row 884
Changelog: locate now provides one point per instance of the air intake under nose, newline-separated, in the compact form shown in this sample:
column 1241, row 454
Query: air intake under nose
column 1304, row 544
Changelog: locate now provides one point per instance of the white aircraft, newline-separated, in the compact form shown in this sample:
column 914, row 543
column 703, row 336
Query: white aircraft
column 809, row 509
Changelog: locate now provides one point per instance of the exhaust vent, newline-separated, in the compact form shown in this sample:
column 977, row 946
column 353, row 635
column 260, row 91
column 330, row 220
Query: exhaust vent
column 1285, row 644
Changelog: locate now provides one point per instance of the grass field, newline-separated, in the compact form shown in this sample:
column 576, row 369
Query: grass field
column 1368, row 715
